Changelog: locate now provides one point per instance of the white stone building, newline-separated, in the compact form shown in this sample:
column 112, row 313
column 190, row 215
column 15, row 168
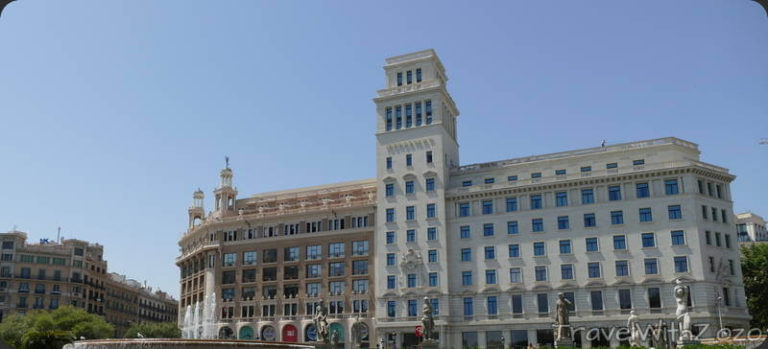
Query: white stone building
column 492, row 244
column 751, row 227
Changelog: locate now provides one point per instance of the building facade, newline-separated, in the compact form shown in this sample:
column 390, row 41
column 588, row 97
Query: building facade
column 73, row 272
column 269, row 259
column 491, row 245
column 751, row 227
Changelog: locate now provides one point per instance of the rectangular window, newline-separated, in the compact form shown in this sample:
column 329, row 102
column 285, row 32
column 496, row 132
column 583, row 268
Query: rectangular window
column 511, row 204
column 468, row 310
column 466, row 278
column 565, row 246
column 714, row 214
column 409, row 187
column 561, row 199
column 651, row 266
column 390, row 259
column 566, row 271
column 638, row 162
column 390, row 215
column 537, row 225
column 646, row 215
column 625, row 299
column 514, row 251
column 614, row 193
column 542, row 302
column 398, row 117
column 229, row 259
column 541, row 273
column 619, row 242
column 654, row 298
column 390, row 282
column 408, row 160
column 681, row 264
column 428, row 111
column 464, row 232
column 391, row 306
column 512, row 178
column 492, row 307
column 360, row 248
column 291, row 254
column 389, row 120
column 489, row 180
column 410, row 213
column 390, row 237
column 587, row 196
column 431, row 211
column 724, row 216
column 488, row 229
column 249, row 258
column 517, row 304
column 562, row 223
column 430, row 185
column 336, row 250
column 410, row 235
column 512, row 227
column 487, row 206
column 678, row 237
column 490, row 252
column 675, row 212
column 410, row 280
column 536, row 202
column 408, row 115
column 336, row 269
column 429, row 156
column 490, row 277
column 431, row 234
column 409, row 77
column 593, row 269
column 726, row 297
column 418, row 74
column 432, row 256
column 642, row 190
column 536, row 175
column 731, row 267
column 649, row 240
column 515, row 275
column 612, row 165
column 727, row 241
column 596, row 298
column 560, row 172
column 538, row 249
column 592, row 245
column 670, row 187
column 433, row 279
column 466, row 254
column 464, row 209
column 622, row 268
column 466, row 183
column 418, row 113
column 586, row 169
column 708, row 237
column 399, row 78
column 589, row 220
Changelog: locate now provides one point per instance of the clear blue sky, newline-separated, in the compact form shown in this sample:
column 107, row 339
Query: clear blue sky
column 113, row 112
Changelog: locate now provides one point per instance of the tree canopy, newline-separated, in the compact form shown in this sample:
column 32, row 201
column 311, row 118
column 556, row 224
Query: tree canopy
column 52, row 329
column 754, row 267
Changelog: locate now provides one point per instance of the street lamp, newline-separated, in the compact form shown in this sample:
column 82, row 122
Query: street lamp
column 719, row 314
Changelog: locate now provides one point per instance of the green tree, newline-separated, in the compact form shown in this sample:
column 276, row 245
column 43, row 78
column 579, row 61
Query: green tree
column 45, row 339
column 154, row 330
column 44, row 329
column 13, row 328
column 754, row 267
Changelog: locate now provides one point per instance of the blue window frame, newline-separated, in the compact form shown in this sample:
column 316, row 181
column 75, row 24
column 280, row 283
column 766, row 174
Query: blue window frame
column 611, row 165
column 511, row 204
column 390, row 259
column 493, row 309
column 561, row 199
column 565, row 246
column 411, row 280
column 593, row 269
column 538, row 249
column 670, row 187
column 413, row 307
column 399, row 78
column 431, row 234
column 433, row 279
column 566, row 271
column 562, row 223
column 428, row 111
column 431, row 212
column 490, row 252
column 487, row 206
column 468, row 309
column 488, row 229
column 514, row 251
column 536, row 202
column 536, row 175
column 398, row 117
column 432, row 256
column 466, row 254
column 678, row 237
column 675, row 212
column 585, row 169
column 466, row 183
column 638, row 162
column 512, row 227
column 408, row 116
column 466, row 278
column 389, row 189
column 619, row 242
column 560, row 172
column 617, row 217
column 389, row 120
column 642, row 190
column 649, row 240
column 430, row 185
column 435, row 306
column 587, row 196
column 540, row 272
column 408, row 160
column 464, row 232
column 409, row 187
column 390, row 282
column 410, row 235
column 589, row 220
column 622, row 268
column 489, row 180
column 490, row 277
column 390, row 237
column 512, row 178
column 515, row 275
column 410, row 213
column 429, row 156
column 464, row 209
column 390, row 215
column 651, row 266
column 389, row 162
column 418, row 74
column 681, row 264
column 592, row 245
column 537, row 224
column 418, row 113
column 542, row 302
column 645, row 214
column 391, row 306
column 614, row 193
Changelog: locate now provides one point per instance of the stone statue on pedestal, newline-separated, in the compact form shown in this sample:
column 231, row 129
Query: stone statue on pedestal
column 427, row 320
column 682, row 316
column 562, row 322
column 320, row 321
column 633, row 323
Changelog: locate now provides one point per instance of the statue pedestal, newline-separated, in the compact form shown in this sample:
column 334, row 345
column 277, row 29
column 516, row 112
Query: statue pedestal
column 429, row 344
column 685, row 342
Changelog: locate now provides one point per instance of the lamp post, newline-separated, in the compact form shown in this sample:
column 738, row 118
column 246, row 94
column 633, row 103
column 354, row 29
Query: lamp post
column 719, row 314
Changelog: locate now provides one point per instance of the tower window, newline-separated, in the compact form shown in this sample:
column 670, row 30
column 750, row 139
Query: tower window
column 398, row 117
column 399, row 78
column 389, row 162
column 389, row 119
column 428, row 111
column 418, row 113
column 408, row 115
column 418, row 75
column 408, row 160
column 409, row 77
column 429, row 157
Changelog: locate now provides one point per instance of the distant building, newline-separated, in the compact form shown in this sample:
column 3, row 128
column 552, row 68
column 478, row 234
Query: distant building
column 49, row 274
column 751, row 227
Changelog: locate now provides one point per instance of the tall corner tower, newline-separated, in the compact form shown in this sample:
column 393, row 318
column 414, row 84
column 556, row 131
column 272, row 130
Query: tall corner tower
column 416, row 146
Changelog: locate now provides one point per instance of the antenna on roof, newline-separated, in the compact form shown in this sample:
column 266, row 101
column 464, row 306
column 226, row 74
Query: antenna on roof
column 226, row 160
column 58, row 235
